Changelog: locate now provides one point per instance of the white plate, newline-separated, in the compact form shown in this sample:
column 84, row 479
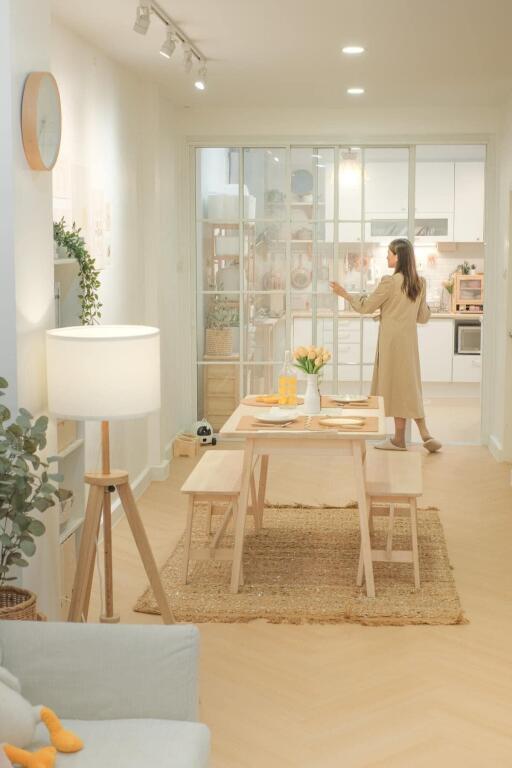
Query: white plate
column 276, row 416
column 349, row 398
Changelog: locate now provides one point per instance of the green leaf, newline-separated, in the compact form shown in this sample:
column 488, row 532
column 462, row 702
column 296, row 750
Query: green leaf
column 41, row 423
column 28, row 547
column 36, row 528
column 58, row 477
column 42, row 504
column 3, row 383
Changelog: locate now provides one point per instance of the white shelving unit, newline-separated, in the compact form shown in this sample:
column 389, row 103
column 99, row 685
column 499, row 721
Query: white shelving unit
column 71, row 458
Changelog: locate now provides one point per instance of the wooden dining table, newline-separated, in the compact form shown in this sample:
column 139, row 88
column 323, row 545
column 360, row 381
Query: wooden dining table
column 263, row 441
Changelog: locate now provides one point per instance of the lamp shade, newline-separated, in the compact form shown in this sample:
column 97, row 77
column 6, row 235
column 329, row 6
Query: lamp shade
column 103, row 372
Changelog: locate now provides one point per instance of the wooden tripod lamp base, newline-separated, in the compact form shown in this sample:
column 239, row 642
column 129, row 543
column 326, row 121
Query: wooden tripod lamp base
column 102, row 484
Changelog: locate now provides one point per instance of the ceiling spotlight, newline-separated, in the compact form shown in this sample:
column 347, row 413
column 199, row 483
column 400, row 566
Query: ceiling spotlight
column 187, row 58
column 142, row 19
column 352, row 50
column 169, row 44
column 200, row 82
column 355, row 91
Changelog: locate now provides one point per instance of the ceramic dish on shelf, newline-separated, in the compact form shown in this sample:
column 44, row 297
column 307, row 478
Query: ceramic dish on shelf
column 276, row 416
column 349, row 398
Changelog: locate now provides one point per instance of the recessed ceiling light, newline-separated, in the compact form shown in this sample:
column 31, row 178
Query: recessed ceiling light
column 352, row 50
column 355, row 91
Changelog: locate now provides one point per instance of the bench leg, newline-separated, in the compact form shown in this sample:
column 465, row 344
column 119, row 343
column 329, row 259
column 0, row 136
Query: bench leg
column 254, row 505
column 223, row 525
column 414, row 534
column 389, row 539
column 188, row 538
column 209, row 518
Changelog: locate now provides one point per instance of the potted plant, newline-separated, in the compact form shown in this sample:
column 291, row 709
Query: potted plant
column 71, row 242
column 26, row 487
column 221, row 318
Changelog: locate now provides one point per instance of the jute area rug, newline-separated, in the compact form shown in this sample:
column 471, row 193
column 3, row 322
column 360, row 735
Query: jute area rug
column 302, row 568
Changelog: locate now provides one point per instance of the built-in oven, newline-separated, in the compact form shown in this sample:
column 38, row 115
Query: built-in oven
column 468, row 338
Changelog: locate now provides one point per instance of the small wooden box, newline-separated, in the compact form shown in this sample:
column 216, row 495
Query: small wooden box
column 185, row 445
column 66, row 434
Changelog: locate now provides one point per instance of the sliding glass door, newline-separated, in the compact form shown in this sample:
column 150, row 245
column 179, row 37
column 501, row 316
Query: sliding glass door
column 273, row 226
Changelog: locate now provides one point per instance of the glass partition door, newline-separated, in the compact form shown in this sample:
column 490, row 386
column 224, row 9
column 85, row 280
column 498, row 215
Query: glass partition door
column 273, row 226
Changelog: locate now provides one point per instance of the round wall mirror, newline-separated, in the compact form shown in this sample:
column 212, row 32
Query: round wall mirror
column 41, row 120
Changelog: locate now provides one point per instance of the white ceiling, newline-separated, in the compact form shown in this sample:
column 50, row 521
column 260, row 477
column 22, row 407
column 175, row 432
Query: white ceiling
column 286, row 53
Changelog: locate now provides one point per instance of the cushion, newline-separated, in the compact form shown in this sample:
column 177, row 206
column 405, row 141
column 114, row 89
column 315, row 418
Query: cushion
column 134, row 744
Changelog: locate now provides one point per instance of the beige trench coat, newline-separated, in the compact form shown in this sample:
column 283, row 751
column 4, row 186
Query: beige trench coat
column 396, row 375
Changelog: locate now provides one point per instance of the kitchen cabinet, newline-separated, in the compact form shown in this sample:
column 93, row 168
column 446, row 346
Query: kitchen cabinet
column 435, row 341
column 220, row 389
column 370, row 337
column 468, row 223
column 435, row 201
column 386, row 189
column 467, row 368
column 434, row 188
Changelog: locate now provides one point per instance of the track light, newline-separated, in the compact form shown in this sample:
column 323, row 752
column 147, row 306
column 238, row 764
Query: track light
column 142, row 19
column 187, row 58
column 200, row 82
column 192, row 56
column 168, row 45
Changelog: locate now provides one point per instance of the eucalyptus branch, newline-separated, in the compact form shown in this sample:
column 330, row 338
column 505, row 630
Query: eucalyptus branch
column 88, row 275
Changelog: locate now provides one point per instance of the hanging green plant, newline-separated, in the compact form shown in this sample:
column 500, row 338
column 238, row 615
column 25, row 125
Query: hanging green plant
column 88, row 275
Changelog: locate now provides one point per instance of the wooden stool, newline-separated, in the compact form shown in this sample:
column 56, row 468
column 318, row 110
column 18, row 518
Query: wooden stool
column 217, row 477
column 393, row 484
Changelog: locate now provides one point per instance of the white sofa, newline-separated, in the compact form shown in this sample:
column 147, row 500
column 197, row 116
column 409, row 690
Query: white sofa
column 130, row 692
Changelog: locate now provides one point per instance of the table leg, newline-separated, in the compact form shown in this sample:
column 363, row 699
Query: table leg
column 362, row 502
column 241, row 516
column 262, row 488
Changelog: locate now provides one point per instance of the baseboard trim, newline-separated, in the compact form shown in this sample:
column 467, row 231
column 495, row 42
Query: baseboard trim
column 496, row 448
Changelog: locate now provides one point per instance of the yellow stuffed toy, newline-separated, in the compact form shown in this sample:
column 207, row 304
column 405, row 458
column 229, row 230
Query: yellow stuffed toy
column 18, row 720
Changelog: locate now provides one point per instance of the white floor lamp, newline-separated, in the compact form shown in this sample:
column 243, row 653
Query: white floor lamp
column 104, row 373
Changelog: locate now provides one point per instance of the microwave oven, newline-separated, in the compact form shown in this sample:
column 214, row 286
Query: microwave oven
column 468, row 340
column 468, row 293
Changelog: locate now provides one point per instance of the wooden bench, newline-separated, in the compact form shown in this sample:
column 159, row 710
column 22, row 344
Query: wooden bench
column 393, row 484
column 216, row 479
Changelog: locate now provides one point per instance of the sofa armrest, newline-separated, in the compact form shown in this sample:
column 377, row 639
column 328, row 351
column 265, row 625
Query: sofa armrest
column 102, row 671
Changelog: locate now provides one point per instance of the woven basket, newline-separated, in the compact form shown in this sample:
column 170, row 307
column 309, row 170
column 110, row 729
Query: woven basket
column 16, row 603
column 219, row 341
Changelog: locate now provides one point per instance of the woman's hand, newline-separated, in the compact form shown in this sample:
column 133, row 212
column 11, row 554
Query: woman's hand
column 338, row 289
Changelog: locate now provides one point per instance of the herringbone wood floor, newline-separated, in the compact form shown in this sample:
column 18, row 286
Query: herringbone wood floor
column 351, row 696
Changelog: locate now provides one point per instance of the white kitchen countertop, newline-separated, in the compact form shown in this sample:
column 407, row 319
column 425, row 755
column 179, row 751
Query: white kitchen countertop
column 350, row 315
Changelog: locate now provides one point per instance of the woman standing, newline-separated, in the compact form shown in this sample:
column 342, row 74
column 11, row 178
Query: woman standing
column 401, row 299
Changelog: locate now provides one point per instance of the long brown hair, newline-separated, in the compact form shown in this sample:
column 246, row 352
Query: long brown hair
column 406, row 265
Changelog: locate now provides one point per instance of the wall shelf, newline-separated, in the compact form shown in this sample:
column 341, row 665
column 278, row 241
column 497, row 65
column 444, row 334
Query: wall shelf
column 69, row 528
column 64, row 261
column 70, row 448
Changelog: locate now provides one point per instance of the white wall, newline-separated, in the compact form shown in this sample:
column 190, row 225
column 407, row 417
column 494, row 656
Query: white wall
column 27, row 251
column 500, row 291
column 119, row 145
column 351, row 124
